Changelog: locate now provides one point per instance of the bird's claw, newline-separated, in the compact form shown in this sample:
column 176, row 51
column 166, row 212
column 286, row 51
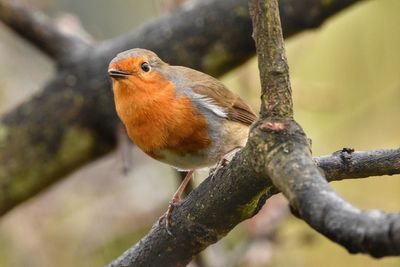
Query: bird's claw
column 167, row 215
column 221, row 163
column 224, row 161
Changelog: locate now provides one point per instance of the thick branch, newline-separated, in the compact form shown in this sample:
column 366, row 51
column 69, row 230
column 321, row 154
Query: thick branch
column 293, row 172
column 74, row 114
column 206, row 215
column 286, row 158
column 217, row 205
column 39, row 30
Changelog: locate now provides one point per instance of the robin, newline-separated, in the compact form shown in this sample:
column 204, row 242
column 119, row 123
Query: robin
column 177, row 115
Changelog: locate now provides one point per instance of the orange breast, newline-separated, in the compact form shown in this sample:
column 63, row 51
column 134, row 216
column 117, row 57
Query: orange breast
column 155, row 119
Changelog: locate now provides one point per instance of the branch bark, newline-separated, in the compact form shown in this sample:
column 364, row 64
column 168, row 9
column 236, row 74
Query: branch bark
column 347, row 163
column 72, row 120
column 237, row 193
column 276, row 93
column 293, row 172
column 288, row 162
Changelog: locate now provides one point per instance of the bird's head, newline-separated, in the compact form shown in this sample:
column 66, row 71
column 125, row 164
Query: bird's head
column 136, row 67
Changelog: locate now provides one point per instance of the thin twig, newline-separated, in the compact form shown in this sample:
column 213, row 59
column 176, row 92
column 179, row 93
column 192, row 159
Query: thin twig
column 347, row 163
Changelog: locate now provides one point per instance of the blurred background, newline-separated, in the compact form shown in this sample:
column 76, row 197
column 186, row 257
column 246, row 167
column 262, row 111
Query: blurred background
column 346, row 84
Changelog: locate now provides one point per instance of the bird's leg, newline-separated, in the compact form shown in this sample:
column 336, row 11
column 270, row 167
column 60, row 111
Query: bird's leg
column 176, row 198
column 224, row 160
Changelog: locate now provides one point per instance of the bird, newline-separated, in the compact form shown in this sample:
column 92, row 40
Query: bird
column 177, row 115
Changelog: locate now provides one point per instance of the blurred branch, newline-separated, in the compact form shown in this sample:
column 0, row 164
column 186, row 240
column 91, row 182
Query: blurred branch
column 169, row 5
column 72, row 120
column 39, row 30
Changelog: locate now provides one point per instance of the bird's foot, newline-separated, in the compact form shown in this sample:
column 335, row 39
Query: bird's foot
column 176, row 199
column 220, row 164
column 223, row 161
column 167, row 214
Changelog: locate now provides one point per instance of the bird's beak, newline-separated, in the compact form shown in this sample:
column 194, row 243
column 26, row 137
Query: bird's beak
column 116, row 73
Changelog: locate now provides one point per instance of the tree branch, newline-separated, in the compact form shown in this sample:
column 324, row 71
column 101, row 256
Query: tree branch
column 276, row 93
column 238, row 192
column 293, row 172
column 72, row 120
column 348, row 163
column 217, row 205
column 39, row 30
column 288, row 162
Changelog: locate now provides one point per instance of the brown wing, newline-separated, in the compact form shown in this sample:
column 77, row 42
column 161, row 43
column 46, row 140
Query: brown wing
column 241, row 112
column 203, row 84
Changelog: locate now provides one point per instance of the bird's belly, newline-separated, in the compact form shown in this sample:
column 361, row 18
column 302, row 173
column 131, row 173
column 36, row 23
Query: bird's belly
column 228, row 137
column 186, row 161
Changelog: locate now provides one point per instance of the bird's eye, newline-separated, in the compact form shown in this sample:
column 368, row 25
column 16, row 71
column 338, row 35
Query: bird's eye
column 145, row 67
